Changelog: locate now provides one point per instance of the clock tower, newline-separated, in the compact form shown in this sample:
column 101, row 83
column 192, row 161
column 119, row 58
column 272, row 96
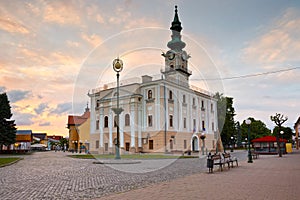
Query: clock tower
column 176, row 59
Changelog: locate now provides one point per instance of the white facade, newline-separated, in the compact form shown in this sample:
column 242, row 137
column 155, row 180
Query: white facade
column 150, row 103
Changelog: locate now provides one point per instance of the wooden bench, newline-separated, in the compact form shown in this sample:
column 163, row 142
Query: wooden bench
column 218, row 160
column 254, row 155
column 230, row 160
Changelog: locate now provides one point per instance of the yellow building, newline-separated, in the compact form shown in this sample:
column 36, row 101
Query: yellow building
column 79, row 131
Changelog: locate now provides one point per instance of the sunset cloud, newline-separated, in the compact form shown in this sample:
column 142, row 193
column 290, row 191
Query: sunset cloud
column 62, row 12
column 281, row 43
column 11, row 26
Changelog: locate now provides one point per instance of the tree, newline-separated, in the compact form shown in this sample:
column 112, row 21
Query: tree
column 279, row 119
column 287, row 132
column 7, row 126
column 258, row 129
column 226, row 115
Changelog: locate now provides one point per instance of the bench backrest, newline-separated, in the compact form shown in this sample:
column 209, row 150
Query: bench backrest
column 216, row 157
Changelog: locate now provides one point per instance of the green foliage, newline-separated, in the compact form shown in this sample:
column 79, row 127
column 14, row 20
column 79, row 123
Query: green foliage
column 257, row 129
column 7, row 126
column 8, row 160
column 287, row 133
column 226, row 115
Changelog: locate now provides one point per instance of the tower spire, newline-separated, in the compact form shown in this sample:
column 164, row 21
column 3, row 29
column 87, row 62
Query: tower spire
column 176, row 44
column 176, row 24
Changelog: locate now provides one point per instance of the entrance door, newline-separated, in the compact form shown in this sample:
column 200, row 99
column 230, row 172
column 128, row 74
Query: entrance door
column 195, row 144
column 171, row 144
column 127, row 145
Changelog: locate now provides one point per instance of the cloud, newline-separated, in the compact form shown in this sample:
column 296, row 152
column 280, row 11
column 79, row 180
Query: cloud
column 11, row 26
column 62, row 13
column 62, row 108
column 93, row 39
column 23, row 119
column 45, row 124
column 281, row 43
column 17, row 95
column 2, row 89
column 41, row 108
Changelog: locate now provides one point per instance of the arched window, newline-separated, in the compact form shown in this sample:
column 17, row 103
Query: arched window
column 170, row 94
column 149, row 94
column 127, row 120
column 105, row 121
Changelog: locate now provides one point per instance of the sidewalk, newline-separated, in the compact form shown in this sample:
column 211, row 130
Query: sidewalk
column 269, row 177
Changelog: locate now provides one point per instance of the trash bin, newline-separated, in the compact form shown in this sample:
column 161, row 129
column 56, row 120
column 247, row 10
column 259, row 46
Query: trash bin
column 210, row 163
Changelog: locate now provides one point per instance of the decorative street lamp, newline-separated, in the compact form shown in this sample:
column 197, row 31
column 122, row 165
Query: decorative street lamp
column 232, row 144
column 248, row 122
column 281, row 133
column 202, row 137
column 118, row 67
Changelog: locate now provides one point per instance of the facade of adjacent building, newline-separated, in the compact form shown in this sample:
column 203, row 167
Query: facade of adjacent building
column 297, row 130
column 23, row 140
column 164, row 114
column 79, row 131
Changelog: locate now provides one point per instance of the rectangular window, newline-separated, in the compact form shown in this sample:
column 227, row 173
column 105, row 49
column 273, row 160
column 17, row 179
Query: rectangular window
column 183, row 98
column 149, row 120
column 171, row 120
column 97, row 144
column 194, row 125
column 150, row 144
column 106, row 147
column 194, row 102
column 97, row 125
column 203, row 125
column 202, row 105
column 184, row 122
column 213, row 126
column 212, row 107
column 184, row 144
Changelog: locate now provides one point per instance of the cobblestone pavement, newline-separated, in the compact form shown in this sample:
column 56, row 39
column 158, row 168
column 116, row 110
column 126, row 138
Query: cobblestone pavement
column 268, row 178
column 52, row 175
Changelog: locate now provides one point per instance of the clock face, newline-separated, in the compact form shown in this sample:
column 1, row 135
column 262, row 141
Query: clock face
column 171, row 55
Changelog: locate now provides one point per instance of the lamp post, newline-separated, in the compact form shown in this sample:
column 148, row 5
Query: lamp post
column 118, row 67
column 232, row 144
column 281, row 133
column 202, row 137
column 248, row 122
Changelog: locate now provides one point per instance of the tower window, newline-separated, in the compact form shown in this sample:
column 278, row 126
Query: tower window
column 150, row 120
column 97, row 125
column 171, row 120
column 149, row 94
column 183, row 98
column 170, row 95
column 172, row 66
column 127, row 120
column 184, row 122
column 105, row 121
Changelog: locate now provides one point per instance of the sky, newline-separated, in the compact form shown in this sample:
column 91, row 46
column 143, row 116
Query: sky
column 53, row 53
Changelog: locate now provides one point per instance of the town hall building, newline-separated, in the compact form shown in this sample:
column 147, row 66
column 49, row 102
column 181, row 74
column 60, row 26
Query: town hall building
column 164, row 114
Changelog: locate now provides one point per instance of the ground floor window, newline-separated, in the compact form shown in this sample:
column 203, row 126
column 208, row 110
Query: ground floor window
column 151, row 144
column 106, row 147
column 97, row 144
column 184, row 144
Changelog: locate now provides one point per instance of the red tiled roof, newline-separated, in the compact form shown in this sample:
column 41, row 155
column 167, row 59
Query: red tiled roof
column 78, row 120
column 268, row 139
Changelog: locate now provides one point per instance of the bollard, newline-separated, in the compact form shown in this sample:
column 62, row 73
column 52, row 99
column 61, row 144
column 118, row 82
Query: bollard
column 210, row 163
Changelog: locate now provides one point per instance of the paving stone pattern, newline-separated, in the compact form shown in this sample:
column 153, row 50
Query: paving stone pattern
column 52, row 175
